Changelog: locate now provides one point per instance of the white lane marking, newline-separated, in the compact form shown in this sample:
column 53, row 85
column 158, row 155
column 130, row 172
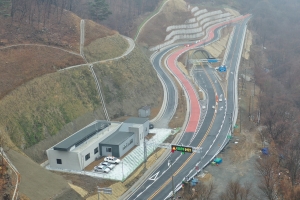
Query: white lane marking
column 154, row 177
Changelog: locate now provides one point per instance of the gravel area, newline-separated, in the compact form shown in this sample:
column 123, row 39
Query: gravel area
column 244, row 171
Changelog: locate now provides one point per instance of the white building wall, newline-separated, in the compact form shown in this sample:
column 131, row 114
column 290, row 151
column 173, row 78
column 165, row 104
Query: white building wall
column 70, row 160
column 138, row 133
column 89, row 148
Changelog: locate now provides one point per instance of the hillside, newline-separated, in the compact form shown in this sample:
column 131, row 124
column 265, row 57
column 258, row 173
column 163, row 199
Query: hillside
column 174, row 12
column 41, row 105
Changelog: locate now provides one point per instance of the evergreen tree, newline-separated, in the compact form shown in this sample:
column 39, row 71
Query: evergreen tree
column 99, row 10
column 4, row 7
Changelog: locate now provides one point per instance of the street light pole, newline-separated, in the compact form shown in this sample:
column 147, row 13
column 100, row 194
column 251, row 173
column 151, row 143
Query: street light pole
column 173, row 187
column 145, row 153
column 200, row 160
column 122, row 171
column 231, row 122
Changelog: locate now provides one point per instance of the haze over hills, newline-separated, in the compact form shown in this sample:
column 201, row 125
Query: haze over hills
column 40, row 105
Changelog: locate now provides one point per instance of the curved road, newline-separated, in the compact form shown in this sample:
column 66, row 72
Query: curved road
column 214, row 131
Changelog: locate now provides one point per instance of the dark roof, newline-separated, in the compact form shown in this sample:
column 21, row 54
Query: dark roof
column 145, row 108
column 136, row 120
column 117, row 138
column 81, row 136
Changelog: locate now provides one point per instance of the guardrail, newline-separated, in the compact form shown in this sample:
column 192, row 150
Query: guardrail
column 194, row 36
column 15, row 193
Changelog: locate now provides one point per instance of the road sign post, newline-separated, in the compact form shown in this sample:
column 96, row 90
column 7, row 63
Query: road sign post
column 104, row 190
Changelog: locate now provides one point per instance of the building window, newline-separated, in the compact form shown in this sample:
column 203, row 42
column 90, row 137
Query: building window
column 87, row 156
column 96, row 150
column 58, row 161
column 108, row 149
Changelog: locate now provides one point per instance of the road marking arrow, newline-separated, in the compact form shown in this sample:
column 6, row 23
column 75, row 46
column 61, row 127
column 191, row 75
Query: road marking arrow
column 153, row 178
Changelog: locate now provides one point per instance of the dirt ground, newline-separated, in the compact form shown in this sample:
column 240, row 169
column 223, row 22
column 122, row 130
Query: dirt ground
column 244, row 171
column 50, row 185
column 32, row 62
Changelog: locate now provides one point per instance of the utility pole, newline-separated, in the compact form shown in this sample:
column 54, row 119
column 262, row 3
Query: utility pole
column 240, row 119
column 145, row 153
column 254, row 87
column 200, row 160
column 231, row 121
column 252, row 107
column 173, row 187
column 249, row 107
column 245, row 77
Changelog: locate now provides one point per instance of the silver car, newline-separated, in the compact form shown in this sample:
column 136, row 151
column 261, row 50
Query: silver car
column 111, row 159
column 109, row 165
column 101, row 168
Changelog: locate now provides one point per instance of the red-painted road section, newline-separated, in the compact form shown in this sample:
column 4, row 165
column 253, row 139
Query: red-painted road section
column 195, row 111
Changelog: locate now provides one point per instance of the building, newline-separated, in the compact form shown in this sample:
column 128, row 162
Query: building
column 100, row 138
column 117, row 144
column 144, row 111
column 132, row 132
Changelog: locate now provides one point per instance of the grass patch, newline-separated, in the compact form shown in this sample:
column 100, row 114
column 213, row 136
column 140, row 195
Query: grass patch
column 128, row 84
column 105, row 48
column 44, row 105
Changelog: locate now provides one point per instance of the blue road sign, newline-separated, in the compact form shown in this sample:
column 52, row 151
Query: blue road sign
column 212, row 60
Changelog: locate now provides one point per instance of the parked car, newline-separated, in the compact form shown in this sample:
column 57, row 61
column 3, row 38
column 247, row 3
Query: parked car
column 101, row 168
column 151, row 126
column 111, row 159
column 109, row 165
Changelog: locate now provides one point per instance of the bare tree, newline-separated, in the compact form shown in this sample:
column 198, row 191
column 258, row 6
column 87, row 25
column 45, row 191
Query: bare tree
column 200, row 191
column 292, row 159
column 267, row 169
column 236, row 191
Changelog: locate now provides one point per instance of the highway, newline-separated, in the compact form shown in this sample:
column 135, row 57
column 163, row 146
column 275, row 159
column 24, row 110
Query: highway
column 211, row 136
column 171, row 92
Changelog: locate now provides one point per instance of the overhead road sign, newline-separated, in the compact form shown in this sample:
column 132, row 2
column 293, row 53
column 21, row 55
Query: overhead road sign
column 182, row 149
column 212, row 60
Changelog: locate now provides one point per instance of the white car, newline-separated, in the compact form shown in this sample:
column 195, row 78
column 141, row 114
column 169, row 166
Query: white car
column 109, row 165
column 111, row 159
column 101, row 168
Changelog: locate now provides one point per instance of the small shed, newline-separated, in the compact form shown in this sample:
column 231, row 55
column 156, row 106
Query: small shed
column 144, row 111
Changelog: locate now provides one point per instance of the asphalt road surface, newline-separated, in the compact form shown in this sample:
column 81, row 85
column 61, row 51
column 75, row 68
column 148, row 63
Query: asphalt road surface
column 211, row 136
